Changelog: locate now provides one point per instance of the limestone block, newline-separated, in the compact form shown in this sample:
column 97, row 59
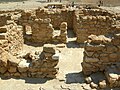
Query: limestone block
column 12, row 69
column 113, row 75
column 55, row 56
column 102, row 84
column 93, row 85
column 49, row 48
column 23, row 66
column 111, row 49
column 91, row 60
column 3, row 69
column 17, row 74
column 13, row 60
column 3, row 57
column 94, row 47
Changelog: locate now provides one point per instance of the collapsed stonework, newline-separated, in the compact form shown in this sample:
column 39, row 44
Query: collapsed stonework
column 11, row 35
column 36, row 64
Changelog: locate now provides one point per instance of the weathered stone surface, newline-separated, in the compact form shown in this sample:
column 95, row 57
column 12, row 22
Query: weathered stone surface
column 93, row 39
column 88, row 80
column 42, row 28
column 102, row 84
column 3, row 69
column 49, row 48
column 23, row 66
column 13, row 60
column 91, row 60
column 103, row 53
column 113, row 75
column 94, row 48
column 3, row 57
column 12, row 69
column 90, row 22
column 93, row 85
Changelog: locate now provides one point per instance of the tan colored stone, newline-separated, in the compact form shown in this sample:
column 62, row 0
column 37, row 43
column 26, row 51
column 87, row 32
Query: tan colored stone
column 88, row 79
column 102, row 84
column 23, row 66
column 111, row 49
column 3, row 69
column 17, row 74
column 7, row 74
column 94, row 48
column 12, row 69
column 49, row 48
column 113, row 55
column 13, row 60
column 114, row 76
column 3, row 57
column 91, row 60
column 93, row 85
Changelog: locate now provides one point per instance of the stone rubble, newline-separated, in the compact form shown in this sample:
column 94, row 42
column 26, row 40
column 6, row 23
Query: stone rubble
column 113, row 75
column 43, row 66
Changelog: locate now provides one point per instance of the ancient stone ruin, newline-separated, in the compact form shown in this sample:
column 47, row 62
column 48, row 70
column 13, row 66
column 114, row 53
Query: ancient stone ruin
column 96, row 28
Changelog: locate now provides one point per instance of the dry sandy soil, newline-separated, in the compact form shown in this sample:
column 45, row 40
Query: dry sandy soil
column 70, row 76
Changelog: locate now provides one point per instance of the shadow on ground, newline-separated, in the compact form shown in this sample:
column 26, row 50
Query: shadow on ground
column 34, row 44
column 75, row 78
column 73, row 44
column 29, row 80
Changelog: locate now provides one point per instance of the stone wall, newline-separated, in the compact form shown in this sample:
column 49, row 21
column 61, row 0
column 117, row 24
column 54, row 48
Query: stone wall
column 84, row 21
column 14, row 37
column 42, row 30
column 11, row 34
column 61, row 35
column 91, row 21
column 38, row 64
column 57, row 16
column 101, row 53
column 3, row 20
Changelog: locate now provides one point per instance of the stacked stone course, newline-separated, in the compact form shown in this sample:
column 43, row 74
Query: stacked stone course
column 42, row 30
column 63, row 33
column 3, row 20
column 57, row 16
column 91, row 21
column 100, row 54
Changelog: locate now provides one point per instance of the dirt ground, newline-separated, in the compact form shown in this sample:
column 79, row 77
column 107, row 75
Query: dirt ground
column 70, row 76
